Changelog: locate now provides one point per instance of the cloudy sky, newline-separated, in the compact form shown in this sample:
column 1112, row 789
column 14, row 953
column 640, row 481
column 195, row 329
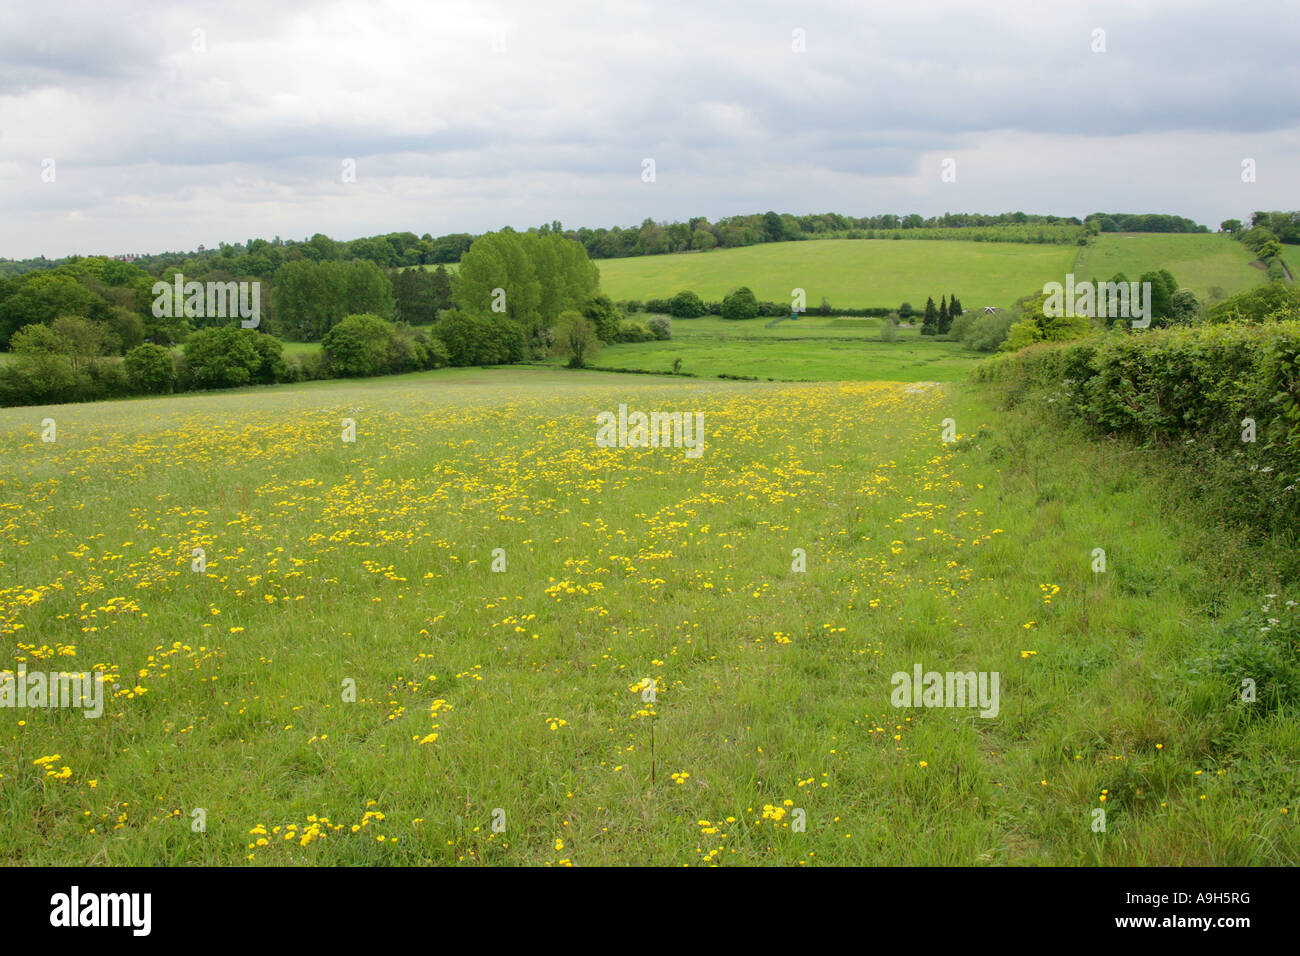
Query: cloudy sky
column 171, row 126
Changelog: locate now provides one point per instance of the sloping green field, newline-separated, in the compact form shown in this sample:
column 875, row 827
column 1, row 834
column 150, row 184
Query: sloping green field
column 850, row 272
column 1198, row 262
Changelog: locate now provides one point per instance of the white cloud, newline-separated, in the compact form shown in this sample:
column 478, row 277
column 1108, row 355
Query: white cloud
column 465, row 117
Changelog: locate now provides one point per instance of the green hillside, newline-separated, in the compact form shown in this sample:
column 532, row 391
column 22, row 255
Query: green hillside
column 849, row 272
column 1198, row 261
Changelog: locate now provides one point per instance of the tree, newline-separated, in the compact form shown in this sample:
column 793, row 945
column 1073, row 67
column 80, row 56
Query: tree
column 358, row 345
column 1163, row 287
column 604, row 315
column 460, row 333
column 88, row 340
column 1268, row 249
column 41, row 297
column 311, row 297
column 739, row 304
column 126, row 326
column 40, row 371
column 1035, row 325
column 685, row 305
column 703, row 239
column 575, row 337
column 945, row 318
column 773, row 226
column 442, row 291
column 150, row 369
column 40, row 340
column 905, row 311
column 1185, row 308
column 825, row 306
column 416, row 301
column 930, row 323
column 223, row 357
column 1231, row 226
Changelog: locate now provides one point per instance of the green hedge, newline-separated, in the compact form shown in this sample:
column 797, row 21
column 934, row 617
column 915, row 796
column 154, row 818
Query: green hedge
column 1187, row 389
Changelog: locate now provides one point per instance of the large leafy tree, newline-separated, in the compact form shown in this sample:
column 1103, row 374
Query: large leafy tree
column 442, row 288
column 415, row 295
column 311, row 297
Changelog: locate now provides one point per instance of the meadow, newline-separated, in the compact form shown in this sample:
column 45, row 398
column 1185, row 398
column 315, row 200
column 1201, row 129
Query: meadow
column 640, row 675
column 810, row 349
column 864, row 273
column 1199, row 262
column 851, row 273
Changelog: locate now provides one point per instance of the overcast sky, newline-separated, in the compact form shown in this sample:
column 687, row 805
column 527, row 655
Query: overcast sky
column 174, row 125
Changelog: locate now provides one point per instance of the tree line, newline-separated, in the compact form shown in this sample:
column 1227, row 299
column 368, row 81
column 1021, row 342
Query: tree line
column 1265, row 237
column 90, row 328
column 263, row 258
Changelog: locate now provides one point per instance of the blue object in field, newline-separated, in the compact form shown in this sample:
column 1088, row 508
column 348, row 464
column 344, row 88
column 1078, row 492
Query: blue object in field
column 794, row 316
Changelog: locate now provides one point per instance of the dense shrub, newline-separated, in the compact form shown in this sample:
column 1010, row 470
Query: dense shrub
column 102, row 380
column 686, row 305
column 38, row 379
column 229, row 357
column 1189, row 389
column 480, row 340
column 459, row 331
column 435, row 352
column 660, row 326
column 1275, row 300
column 271, row 366
column 150, row 369
column 604, row 315
column 360, row 345
column 364, row 345
column 630, row 331
column 988, row 331
column 961, row 326
column 740, row 304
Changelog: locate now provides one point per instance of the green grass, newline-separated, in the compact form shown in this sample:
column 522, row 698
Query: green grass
column 852, row 273
column 1198, row 262
column 810, row 349
column 331, row 562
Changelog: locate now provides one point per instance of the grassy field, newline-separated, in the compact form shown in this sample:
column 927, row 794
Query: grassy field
column 519, row 697
column 810, row 349
column 852, row 273
column 1198, row 262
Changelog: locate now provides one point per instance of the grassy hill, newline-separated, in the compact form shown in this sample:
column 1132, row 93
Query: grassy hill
column 884, row 273
column 849, row 272
column 1198, row 262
